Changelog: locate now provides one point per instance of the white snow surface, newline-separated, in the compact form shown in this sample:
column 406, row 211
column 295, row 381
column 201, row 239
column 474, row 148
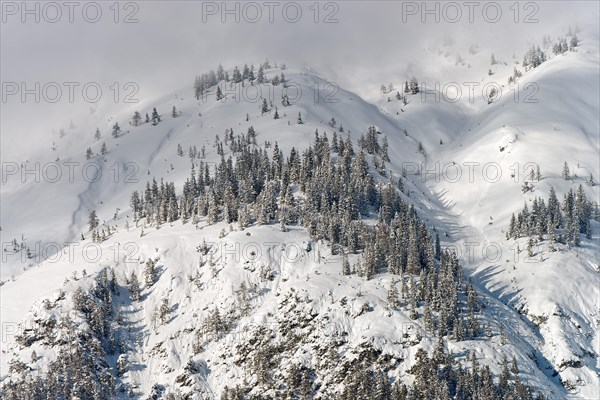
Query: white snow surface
column 562, row 288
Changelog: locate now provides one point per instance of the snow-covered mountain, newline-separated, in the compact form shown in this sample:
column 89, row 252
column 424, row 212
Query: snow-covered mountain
column 312, row 288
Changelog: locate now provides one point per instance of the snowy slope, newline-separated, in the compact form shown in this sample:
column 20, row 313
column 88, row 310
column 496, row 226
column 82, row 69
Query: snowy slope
column 562, row 290
column 478, row 176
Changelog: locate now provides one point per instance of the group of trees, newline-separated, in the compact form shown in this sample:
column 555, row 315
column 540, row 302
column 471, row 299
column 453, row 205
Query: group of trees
column 338, row 192
column 158, row 203
column 550, row 220
column 329, row 189
column 83, row 342
column 515, row 75
column 561, row 45
column 411, row 86
column 136, row 120
column 204, row 82
column 536, row 56
column 437, row 376
column 367, row 376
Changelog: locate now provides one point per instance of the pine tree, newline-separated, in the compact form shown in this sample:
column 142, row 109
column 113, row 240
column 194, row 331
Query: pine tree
column 265, row 107
column 155, row 117
column 134, row 287
column 565, row 172
column 414, row 85
column 97, row 135
column 260, row 77
column 530, row 245
column 136, row 118
column 392, row 296
column 150, row 273
column 551, row 237
column 346, row 266
column 116, row 130
column 215, row 323
column 300, row 119
column 174, row 112
column 237, row 76
column 574, row 43
column 164, row 310
column 428, row 318
column 575, row 238
column 213, row 210
column 88, row 153
column 334, row 143
column 93, row 220
column 438, row 247
column 384, row 150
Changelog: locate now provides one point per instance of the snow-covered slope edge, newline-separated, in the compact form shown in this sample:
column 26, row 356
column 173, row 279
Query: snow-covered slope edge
column 164, row 350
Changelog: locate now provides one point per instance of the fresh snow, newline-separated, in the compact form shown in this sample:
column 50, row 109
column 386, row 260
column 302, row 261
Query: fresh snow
column 562, row 289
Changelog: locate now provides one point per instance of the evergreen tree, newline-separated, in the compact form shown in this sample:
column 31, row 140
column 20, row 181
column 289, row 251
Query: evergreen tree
column 414, row 85
column 574, row 43
column 155, row 117
column 136, row 118
column 93, row 220
column 150, row 274
column 260, row 77
column 134, row 287
column 220, row 73
column 530, row 245
column 164, row 310
column 384, row 150
column 265, row 107
column 565, row 172
column 237, row 76
column 551, row 237
column 116, row 130
column 392, row 296
column 346, row 266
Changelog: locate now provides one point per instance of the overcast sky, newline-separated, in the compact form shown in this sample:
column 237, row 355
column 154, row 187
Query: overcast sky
column 357, row 44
